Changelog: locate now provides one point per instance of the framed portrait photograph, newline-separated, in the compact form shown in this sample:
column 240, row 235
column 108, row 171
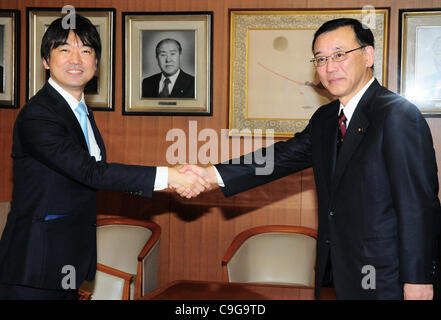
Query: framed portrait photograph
column 273, row 83
column 167, row 63
column 9, row 58
column 419, row 77
column 99, row 93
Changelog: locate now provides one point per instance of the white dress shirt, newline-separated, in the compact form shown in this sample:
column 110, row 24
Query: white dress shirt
column 73, row 103
column 161, row 179
column 350, row 107
column 172, row 81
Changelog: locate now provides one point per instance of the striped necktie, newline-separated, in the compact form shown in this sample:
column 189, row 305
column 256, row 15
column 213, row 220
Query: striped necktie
column 341, row 129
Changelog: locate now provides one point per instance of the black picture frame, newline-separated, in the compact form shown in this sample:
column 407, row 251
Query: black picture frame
column 9, row 59
column 102, row 94
column 193, row 31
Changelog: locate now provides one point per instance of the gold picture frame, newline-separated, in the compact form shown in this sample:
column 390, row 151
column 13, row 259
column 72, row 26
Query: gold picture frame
column 9, row 58
column 273, row 85
column 143, row 32
column 100, row 93
column 419, row 77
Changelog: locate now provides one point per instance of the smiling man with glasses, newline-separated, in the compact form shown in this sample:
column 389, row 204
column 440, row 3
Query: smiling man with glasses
column 375, row 173
column 383, row 190
column 336, row 56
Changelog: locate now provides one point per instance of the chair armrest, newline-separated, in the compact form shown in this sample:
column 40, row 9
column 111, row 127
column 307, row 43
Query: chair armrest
column 120, row 274
column 146, row 277
column 106, row 279
column 84, row 294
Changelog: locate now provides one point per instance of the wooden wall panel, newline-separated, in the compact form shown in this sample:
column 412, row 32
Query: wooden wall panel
column 196, row 233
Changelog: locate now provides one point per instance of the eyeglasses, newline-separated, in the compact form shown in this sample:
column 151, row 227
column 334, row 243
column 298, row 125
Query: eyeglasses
column 336, row 57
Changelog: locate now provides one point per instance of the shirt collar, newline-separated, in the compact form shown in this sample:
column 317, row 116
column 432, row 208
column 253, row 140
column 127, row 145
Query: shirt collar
column 350, row 107
column 172, row 78
column 71, row 101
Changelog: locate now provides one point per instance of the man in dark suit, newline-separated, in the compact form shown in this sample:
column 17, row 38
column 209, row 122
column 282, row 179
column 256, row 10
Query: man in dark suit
column 172, row 81
column 375, row 173
column 48, row 247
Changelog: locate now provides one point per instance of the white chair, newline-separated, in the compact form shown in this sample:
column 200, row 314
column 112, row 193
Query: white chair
column 272, row 255
column 131, row 248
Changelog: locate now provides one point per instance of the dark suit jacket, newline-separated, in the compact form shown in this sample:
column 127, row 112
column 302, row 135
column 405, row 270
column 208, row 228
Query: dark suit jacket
column 55, row 175
column 183, row 88
column 377, row 201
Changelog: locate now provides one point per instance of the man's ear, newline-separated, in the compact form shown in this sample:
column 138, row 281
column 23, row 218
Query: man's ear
column 46, row 64
column 369, row 53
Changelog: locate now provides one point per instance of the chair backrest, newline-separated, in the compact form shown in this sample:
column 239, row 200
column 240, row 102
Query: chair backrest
column 130, row 246
column 272, row 254
column 118, row 245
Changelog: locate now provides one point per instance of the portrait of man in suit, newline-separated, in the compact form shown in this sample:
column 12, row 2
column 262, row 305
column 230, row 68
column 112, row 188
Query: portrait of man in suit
column 59, row 161
column 375, row 173
column 172, row 81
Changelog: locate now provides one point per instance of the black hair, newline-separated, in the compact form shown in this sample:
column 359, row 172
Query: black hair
column 56, row 35
column 168, row 40
column 363, row 34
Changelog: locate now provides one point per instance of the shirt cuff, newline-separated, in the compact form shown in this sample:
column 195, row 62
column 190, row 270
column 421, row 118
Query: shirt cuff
column 161, row 179
column 220, row 181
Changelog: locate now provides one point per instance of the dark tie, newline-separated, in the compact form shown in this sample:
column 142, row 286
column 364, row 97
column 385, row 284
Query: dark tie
column 164, row 93
column 341, row 128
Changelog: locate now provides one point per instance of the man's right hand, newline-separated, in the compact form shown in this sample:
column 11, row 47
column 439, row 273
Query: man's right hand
column 207, row 174
column 187, row 183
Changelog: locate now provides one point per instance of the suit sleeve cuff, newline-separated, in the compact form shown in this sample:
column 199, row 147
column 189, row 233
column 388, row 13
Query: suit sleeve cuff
column 220, row 181
column 161, row 179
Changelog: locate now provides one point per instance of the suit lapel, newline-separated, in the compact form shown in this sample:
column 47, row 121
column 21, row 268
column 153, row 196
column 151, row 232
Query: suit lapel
column 64, row 110
column 329, row 141
column 355, row 133
column 157, row 85
column 179, row 84
column 98, row 138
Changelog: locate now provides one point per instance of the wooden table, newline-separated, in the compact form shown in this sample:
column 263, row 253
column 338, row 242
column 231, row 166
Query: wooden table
column 216, row 290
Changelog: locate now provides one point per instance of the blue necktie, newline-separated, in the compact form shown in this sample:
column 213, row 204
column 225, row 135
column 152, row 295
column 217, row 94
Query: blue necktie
column 81, row 110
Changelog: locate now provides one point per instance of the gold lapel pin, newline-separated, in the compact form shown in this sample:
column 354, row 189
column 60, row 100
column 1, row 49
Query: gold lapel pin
column 360, row 130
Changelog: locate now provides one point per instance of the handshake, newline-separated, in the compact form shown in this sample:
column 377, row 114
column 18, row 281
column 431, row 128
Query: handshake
column 190, row 180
